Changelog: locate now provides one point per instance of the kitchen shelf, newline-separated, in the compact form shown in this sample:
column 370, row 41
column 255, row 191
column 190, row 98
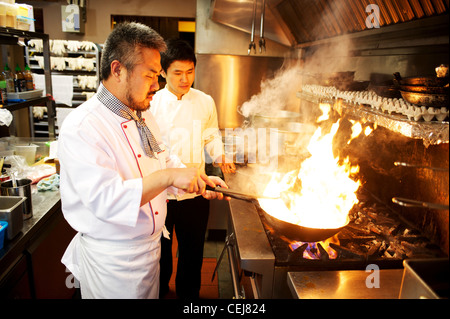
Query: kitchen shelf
column 30, row 102
column 93, row 55
column 432, row 133
column 9, row 36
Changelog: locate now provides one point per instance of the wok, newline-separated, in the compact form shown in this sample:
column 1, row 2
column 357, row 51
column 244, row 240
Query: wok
column 425, row 89
column 431, row 81
column 386, row 89
column 426, row 99
column 296, row 232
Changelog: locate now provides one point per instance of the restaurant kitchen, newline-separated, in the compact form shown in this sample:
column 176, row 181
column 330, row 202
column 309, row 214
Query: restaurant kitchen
column 310, row 108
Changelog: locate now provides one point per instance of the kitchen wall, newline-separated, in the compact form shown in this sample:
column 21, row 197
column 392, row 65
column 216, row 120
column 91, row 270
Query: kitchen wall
column 98, row 15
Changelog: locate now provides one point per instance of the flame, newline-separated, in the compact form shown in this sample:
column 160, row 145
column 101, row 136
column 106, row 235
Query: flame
column 327, row 190
column 312, row 251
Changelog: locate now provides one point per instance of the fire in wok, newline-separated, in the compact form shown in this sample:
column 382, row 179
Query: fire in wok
column 319, row 208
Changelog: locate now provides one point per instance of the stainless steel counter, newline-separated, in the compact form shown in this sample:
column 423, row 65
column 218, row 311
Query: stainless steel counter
column 345, row 284
column 250, row 241
column 45, row 206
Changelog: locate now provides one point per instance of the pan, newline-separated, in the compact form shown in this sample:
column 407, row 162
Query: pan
column 431, row 81
column 296, row 232
column 386, row 89
column 426, row 99
column 425, row 89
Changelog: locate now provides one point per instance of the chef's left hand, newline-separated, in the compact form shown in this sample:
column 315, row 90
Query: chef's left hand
column 215, row 195
column 226, row 165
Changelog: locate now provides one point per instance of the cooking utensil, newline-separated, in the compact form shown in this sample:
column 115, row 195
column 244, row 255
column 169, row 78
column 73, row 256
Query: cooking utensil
column 277, row 119
column 237, row 194
column 415, row 203
column 426, row 99
column 431, row 81
column 352, row 86
column 296, row 232
column 444, row 169
column 425, row 89
column 23, row 189
column 388, row 90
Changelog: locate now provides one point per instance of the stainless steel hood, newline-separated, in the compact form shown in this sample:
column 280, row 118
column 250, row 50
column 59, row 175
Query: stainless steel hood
column 239, row 14
column 296, row 22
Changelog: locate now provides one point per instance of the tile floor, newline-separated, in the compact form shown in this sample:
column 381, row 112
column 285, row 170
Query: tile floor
column 221, row 287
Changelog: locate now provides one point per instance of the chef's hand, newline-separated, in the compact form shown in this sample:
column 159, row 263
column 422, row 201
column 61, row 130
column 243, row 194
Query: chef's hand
column 191, row 180
column 215, row 195
column 225, row 164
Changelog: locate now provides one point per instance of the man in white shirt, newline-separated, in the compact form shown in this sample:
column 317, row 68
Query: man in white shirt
column 115, row 173
column 189, row 127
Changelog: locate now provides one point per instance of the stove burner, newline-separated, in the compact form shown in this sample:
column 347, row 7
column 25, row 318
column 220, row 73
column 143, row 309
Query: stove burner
column 374, row 235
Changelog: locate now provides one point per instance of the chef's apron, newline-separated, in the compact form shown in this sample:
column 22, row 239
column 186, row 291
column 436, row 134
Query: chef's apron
column 107, row 269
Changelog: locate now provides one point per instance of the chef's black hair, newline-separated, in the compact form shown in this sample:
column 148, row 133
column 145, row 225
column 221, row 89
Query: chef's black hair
column 123, row 44
column 177, row 50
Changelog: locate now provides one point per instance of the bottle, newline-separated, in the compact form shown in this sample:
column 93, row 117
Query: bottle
column 19, row 80
column 9, row 78
column 3, row 92
column 29, row 85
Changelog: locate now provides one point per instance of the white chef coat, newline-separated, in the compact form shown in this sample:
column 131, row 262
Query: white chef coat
column 102, row 165
column 188, row 126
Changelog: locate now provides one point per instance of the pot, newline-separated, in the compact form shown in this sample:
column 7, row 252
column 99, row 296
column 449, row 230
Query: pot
column 296, row 232
column 277, row 119
column 23, row 189
column 293, row 138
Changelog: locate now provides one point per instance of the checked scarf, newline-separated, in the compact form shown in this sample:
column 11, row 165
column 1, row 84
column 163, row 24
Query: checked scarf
column 118, row 108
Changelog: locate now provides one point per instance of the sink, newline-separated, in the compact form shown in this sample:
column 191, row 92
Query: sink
column 425, row 279
column 11, row 210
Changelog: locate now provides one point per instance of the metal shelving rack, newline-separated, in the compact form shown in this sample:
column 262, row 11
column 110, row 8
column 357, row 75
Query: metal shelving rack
column 10, row 36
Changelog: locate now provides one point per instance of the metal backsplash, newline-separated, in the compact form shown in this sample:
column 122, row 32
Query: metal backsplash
column 231, row 80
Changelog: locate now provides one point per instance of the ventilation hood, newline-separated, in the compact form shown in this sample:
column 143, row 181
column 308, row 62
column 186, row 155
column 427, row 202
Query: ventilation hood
column 298, row 22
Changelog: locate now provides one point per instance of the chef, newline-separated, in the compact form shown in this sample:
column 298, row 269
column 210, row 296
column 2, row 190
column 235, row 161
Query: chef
column 190, row 129
column 115, row 173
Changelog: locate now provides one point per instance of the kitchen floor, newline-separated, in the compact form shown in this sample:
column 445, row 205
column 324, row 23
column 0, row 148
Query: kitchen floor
column 221, row 287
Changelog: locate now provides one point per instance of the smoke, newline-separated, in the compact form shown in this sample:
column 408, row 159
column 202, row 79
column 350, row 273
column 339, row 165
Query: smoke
column 330, row 57
column 277, row 93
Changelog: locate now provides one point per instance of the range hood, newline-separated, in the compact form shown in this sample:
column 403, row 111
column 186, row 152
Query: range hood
column 298, row 22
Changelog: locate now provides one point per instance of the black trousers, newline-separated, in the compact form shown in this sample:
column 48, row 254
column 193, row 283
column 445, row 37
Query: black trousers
column 189, row 218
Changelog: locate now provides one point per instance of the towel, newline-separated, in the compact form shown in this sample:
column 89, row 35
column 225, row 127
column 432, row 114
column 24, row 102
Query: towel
column 62, row 87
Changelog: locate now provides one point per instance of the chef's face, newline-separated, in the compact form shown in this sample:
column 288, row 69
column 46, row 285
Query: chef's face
column 179, row 76
column 142, row 81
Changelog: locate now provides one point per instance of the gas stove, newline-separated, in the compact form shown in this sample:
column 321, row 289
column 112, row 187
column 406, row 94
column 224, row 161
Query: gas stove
column 375, row 235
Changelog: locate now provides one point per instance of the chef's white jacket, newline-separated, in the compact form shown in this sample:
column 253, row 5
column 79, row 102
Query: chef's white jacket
column 188, row 126
column 102, row 165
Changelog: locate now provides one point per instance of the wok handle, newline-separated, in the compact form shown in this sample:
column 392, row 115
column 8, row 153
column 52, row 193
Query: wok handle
column 237, row 194
column 414, row 203
column 230, row 193
column 443, row 169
